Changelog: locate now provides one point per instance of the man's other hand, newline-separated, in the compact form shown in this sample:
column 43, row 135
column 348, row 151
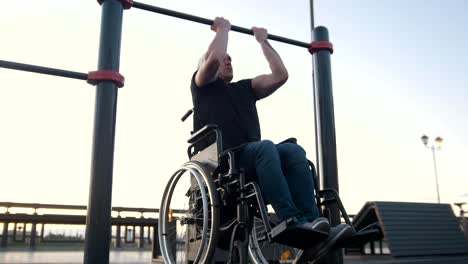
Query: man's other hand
column 260, row 34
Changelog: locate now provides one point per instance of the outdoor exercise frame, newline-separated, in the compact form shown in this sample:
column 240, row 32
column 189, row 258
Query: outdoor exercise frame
column 108, row 79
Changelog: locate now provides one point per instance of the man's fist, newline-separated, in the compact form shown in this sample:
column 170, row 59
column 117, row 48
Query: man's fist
column 260, row 34
column 220, row 23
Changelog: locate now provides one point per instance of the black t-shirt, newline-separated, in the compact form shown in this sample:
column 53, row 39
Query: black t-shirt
column 232, row 107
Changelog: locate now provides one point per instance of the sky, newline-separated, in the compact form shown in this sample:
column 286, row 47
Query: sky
column 399, row 71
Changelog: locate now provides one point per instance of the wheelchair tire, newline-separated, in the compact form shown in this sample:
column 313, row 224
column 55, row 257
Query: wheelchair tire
column 188, row 226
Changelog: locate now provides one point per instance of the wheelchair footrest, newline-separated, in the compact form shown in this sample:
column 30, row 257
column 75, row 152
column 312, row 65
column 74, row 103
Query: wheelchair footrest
column 370, row 233
column 301, row 237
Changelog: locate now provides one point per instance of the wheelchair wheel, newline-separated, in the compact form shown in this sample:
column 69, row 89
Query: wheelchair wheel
column 261, row 251
column 188, row 226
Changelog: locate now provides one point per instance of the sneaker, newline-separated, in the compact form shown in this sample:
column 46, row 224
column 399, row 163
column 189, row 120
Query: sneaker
column 337, row 234
column 319, row 224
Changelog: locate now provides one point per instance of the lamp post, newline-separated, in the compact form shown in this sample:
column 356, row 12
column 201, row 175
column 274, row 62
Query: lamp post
column 436, row 145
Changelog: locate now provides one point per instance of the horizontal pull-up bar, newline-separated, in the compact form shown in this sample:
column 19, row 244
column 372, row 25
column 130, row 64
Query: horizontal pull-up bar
column 43, row 70
column 92, row 77
column 209, row 22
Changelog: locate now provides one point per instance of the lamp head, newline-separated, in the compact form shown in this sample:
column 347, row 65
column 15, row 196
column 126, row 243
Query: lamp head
column 438, row 142
column 425, row 139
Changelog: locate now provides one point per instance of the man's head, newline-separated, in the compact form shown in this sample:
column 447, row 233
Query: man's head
column 224, row 72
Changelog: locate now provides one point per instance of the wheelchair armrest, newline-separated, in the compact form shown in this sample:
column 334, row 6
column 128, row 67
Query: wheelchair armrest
column 201, row 141
column 202, row 132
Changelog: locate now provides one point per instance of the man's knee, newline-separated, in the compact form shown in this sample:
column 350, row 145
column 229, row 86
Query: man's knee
column 291, row 152
column 266, row 146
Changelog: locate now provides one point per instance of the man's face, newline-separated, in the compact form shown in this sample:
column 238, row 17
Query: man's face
column 225, row 69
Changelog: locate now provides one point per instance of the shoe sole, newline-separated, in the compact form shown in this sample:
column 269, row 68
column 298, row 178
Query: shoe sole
column 322, row 226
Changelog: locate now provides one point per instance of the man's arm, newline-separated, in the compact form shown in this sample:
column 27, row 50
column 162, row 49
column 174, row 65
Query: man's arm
column 215, row 54
column 265, row 84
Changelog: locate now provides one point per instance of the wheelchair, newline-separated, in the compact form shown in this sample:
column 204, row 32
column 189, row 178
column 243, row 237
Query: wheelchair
column 211, row 212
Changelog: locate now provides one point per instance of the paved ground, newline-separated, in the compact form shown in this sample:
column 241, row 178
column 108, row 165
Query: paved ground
column 71, row 257
column 144, row 257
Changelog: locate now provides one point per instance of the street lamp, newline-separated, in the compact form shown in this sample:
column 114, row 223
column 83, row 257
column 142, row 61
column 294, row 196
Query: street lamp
column 436, row 145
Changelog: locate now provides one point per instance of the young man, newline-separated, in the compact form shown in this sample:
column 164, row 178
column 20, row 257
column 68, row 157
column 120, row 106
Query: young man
column 282, row 170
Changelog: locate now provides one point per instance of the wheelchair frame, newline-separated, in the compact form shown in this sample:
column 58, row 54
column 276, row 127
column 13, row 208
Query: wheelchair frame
column 223, row 182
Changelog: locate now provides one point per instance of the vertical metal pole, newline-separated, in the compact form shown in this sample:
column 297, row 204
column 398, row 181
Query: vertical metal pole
column 312, row 15
column 4, row 241
column 15, row 226
column 312, row 26
column 126, row 235
column 149, row 234
column 435, row 171
column 117, row 237
column 98, row 219
column 42, row 232
column 32, row 239
column 327, row 160
column 156, row 251
column 23, row 239
column 142, row 237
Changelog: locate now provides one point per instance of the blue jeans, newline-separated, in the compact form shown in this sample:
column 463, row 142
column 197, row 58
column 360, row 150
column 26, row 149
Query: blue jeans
column 284, row 177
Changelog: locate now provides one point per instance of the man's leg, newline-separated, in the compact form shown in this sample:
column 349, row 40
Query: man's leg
column 301, row 185
column 263, row 159
column 299, row 177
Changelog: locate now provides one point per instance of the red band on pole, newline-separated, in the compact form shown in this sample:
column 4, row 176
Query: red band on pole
column 320, row 45
column 125, row 3
column 95, row 77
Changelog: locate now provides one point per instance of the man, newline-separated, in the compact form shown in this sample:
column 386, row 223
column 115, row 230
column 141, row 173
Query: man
column 282, row 170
